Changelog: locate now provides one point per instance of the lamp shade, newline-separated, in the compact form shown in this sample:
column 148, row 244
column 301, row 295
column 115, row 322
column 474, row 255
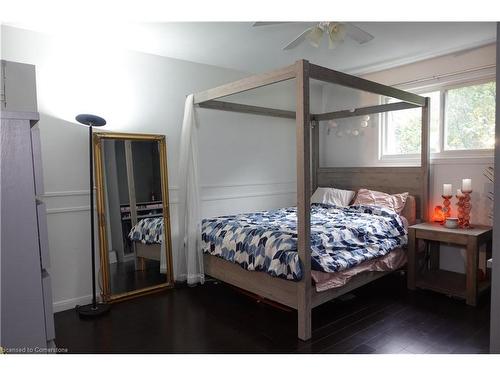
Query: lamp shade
column 336, row 33
column 92, row 120
column 314, row 36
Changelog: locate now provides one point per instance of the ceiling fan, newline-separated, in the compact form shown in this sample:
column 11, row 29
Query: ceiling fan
column 337, row 32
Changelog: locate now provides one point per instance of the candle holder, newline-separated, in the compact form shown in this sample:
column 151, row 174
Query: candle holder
column 446, row 207
column 464, row 208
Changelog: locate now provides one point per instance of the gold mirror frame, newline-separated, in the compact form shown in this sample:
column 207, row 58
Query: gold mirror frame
column 106, row 294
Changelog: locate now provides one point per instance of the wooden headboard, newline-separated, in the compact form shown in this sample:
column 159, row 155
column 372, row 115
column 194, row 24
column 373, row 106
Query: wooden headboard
column 391, row 180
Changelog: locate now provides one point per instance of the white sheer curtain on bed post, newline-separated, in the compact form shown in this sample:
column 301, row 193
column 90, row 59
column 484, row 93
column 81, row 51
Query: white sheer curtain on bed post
column 188, row 257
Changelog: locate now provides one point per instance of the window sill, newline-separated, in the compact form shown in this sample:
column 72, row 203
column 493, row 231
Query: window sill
column 438, row 159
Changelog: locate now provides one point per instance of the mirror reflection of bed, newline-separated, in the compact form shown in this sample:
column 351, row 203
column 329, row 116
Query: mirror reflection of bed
column 133, row 216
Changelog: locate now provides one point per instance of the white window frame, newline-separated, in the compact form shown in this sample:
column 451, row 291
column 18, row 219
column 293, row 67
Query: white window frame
column 442, row 156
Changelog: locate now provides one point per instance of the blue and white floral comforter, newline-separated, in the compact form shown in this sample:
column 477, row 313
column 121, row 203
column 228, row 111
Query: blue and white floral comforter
column 148, row 231
column 341, row 238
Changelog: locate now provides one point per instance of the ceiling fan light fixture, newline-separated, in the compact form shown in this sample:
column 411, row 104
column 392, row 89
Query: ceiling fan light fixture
column 314, row 36
column 336, row 33
column 332, row 44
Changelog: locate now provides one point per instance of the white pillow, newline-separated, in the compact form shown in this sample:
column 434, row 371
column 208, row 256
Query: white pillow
column 334, row 196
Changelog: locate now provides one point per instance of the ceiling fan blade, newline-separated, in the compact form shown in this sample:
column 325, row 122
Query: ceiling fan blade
column 270, row 23
column 294, row 43
column 357, row 34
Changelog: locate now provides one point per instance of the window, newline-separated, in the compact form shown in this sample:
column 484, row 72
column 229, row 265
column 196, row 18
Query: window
column 462, row 121
column 470, row 118
column 402, row 128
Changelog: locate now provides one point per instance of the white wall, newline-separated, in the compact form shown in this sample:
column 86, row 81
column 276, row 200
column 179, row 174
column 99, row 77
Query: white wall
column 363, row 150
column 247, row 162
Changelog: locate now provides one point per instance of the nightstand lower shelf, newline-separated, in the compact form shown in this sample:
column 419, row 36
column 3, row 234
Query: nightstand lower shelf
column 447, row 282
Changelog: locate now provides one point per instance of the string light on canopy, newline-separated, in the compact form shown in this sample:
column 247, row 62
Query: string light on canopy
column 353, row 131
column 331, row 126
column 364, row 122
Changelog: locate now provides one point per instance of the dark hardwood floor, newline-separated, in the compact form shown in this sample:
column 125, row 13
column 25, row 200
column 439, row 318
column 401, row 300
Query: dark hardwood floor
column 382, row 317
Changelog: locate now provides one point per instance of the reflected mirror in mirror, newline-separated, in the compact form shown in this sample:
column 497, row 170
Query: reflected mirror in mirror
column 135, row 253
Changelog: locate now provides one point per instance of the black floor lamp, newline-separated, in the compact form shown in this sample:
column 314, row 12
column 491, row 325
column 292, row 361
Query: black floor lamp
column 93, row 309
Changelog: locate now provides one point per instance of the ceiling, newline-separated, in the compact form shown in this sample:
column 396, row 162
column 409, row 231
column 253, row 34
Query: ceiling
column 238, row 45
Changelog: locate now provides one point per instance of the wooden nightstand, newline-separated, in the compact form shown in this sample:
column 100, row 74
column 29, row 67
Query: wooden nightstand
column 450, row 283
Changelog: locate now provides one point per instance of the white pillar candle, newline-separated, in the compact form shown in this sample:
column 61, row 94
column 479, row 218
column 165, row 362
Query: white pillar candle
column 467, row 185
column 459, row 193
column 446, row 190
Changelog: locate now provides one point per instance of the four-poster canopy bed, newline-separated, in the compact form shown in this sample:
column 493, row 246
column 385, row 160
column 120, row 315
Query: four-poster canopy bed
column 300, row 295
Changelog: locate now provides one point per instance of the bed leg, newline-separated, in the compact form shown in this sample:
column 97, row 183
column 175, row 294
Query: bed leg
column 304, row 324
column 140, row 264
column 304, row 311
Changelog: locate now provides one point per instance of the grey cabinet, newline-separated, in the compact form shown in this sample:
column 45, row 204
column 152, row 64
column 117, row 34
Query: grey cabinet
column 26, row 293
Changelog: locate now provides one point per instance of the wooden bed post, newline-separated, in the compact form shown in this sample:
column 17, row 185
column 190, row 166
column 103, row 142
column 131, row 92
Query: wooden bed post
column 424, row 162
column 314, row 153
column 303, row 135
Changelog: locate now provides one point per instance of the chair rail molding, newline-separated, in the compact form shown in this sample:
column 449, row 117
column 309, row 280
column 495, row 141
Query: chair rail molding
column 69, row 201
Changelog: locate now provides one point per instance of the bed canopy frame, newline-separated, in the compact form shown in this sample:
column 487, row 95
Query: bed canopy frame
column 301, row 295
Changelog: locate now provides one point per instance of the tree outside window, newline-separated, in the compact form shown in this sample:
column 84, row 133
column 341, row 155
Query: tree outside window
column 469, row 122
column 470, row 118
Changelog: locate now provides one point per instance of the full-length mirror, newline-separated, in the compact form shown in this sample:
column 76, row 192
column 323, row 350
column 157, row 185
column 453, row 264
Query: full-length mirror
column 133, row 213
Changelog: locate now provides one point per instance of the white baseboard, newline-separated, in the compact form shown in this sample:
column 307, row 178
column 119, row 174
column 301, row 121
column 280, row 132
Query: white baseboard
column 69, row 304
